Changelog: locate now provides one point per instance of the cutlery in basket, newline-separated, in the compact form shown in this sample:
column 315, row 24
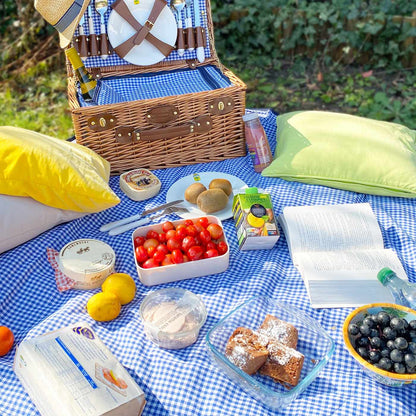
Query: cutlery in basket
column 101, row 7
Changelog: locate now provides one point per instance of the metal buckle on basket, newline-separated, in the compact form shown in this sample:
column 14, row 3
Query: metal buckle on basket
column 149, row 24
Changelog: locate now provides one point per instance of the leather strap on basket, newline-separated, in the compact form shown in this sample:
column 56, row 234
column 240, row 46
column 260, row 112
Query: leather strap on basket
column 201, row 124
column 143, row 31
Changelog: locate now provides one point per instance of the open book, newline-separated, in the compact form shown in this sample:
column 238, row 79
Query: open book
column 339, row 250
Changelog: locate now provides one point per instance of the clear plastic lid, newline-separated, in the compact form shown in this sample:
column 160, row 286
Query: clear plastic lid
column 172, row 316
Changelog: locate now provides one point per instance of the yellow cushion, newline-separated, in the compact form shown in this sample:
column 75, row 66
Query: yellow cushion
column 54, row 172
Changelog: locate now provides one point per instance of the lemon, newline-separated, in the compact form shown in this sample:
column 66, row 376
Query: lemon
column 103, row 306
column 120, row 284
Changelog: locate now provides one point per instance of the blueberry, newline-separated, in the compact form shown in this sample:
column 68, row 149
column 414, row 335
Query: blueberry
column 397, row 323
column 363, row 342
column 353, row 329
column 412, row 324
column 375, row 342
column 383, row 318
column 412, row 347
column 374, row 333
column 369, row 321
column 410, row 360
column 385, row 352
column 390, row 344
column 365, row 330
column 385, row 363
column 400, row 343
column 396, row 356
column 410, row 370
column 363, row 352
column 374, row 356
column 389, row 333
column 412, row 333
column 399, row 368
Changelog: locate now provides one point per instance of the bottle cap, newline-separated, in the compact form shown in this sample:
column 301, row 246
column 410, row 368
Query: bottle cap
column 384, row 275
column 252, row 190
column 250, row 116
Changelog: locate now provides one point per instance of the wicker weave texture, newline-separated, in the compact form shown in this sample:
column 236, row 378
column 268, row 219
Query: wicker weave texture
column 225, row 139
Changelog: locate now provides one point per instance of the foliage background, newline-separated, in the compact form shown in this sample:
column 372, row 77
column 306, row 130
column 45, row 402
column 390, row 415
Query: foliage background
column 353, row 56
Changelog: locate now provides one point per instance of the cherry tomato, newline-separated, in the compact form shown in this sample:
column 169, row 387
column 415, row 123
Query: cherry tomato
column 152, row 234
column 158, row 256
column 162, row 237
column 167, row 225
column 173, row 244
column 191, row 230
column 139, row 240
column 222, row 247
column 162, row 248
column 170, row 234
column 215, row 230
column 205, row 236
column 141, row 254
column 151, row 251
column 211, row 245
column 150, row 263
column 198, row 227
column 210, row 253
column 180, row 226
column 195, row 253
column 185, row 258
column 181, row 233
column 203, row 221
column 167, row 260
column 177, row 256
column 188, row 222
column 187, row 243
column 151, row 242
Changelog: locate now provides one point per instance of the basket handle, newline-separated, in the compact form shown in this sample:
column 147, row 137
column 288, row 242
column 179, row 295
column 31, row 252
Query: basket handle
column 125, row 134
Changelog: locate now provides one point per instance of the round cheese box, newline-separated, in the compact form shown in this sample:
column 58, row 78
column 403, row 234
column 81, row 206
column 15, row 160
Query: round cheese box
column 87, row 261
column 139, row 184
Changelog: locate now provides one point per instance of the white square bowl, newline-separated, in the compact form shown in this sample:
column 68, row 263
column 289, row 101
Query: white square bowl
column 175, row 272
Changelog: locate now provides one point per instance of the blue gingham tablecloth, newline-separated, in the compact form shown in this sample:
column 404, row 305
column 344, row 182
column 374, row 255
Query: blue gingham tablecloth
column 184, row 382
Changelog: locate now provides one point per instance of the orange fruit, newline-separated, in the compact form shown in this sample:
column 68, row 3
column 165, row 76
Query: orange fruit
column 6, row 340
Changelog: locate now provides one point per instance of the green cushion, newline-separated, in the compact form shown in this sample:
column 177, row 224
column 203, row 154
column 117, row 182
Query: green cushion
column 345, row 152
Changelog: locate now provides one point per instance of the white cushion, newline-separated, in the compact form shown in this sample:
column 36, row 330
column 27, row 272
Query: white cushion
column 23, row 218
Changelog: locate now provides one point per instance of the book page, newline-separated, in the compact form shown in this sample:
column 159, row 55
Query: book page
column 341, row 279
column 330, row 228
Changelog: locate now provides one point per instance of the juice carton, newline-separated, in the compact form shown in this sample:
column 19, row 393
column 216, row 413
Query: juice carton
column 254, row 220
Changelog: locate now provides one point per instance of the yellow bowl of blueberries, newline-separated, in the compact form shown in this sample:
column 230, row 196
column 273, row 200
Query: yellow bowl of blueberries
column 382, row 339
column 272, row 350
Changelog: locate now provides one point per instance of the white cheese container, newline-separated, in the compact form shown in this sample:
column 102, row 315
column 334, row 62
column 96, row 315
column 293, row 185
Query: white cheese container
column 87, row 261
column 70, row 372
column 140, row 184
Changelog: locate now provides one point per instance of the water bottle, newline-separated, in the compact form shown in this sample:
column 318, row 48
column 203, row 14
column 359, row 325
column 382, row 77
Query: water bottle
column 404, row 293
column 257, row 143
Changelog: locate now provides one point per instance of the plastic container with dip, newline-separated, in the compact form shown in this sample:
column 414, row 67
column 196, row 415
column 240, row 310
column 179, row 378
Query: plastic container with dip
column 87, row 261
column 139, row 184
column 172, row 317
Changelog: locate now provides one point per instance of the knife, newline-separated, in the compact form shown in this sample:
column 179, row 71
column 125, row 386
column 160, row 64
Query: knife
column 93, row 36
column 114, row 224
column 83, row 48
column 200, row 54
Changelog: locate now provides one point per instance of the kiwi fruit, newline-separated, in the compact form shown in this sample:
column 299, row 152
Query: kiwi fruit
column 192, row 192
column 212, row 200
column 223, row 184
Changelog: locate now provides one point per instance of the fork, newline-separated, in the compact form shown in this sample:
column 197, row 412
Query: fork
column 101, row 7
column 188, row 25
column 130, row 226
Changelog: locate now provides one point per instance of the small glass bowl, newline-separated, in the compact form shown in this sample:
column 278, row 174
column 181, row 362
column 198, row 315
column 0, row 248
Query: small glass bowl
column 314, row 343
column 384, row 377
column 172, row 317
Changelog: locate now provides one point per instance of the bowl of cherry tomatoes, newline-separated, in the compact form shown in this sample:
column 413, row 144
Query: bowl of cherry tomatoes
column 178, row 250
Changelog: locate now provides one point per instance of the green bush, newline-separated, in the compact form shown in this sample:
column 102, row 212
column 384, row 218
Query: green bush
column 351, row 30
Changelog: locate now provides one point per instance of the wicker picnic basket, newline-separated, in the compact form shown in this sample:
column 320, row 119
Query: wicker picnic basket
column 164, row 131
